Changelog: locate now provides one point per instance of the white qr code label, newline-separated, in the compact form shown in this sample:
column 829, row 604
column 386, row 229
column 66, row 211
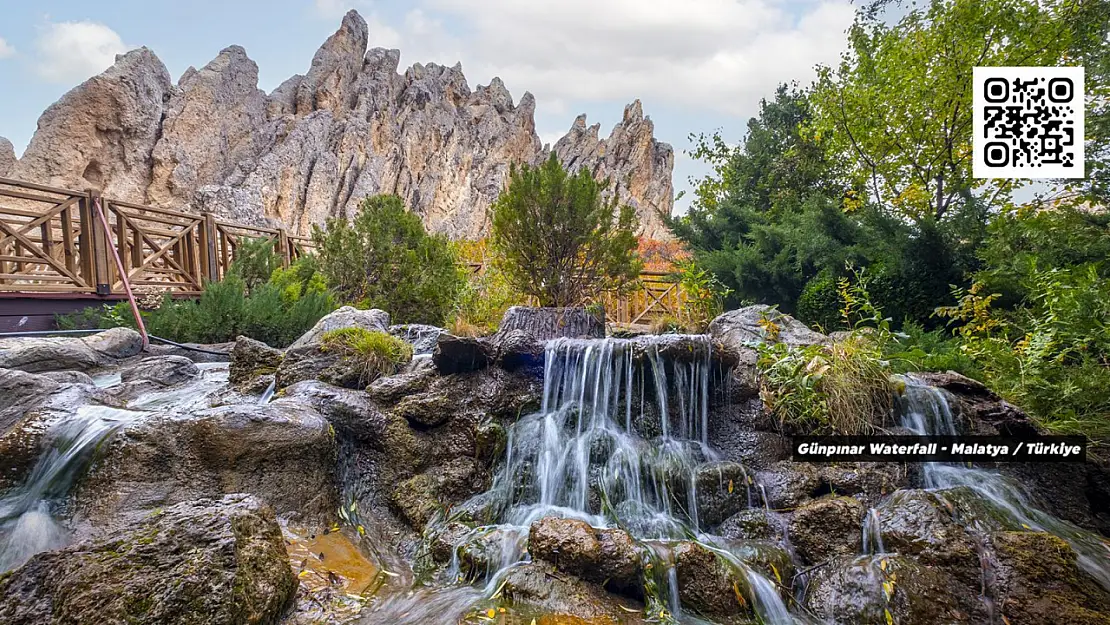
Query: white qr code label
column 1028, row 122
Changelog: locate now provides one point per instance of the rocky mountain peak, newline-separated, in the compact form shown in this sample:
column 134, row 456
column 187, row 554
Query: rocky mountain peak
column 351, row 126
column 7, row 156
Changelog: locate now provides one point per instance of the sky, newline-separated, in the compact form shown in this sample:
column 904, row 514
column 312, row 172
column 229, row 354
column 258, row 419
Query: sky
column 696, row 65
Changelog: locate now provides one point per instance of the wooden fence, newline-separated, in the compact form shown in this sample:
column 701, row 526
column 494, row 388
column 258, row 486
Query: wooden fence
column 52, row 241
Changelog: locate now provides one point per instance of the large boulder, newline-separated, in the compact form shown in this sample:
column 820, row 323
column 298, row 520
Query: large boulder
column 161, row 370
column 602, row 556
column 827, row 527
column 22, row 392
column 885, row 589
column 739, row 329
column 351, row 412
column 722, row 489
column 208, row 561
column 754, row 524
column 283, row 452
column 253, row 364
column 461, row 354
column 538, row 586
column 544, row 324
column 418, row 498
column 924, row 524
column 345, row 317
column 721, row 586
column 422, row 337
column 1037, row 581
column 36, row 354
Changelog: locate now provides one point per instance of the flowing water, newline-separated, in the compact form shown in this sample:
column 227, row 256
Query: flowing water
column 617, row 442
column 926, row 411
column 30, row 514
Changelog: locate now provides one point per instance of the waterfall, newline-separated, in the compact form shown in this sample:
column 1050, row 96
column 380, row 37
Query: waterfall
column 872, row 533
column 926, row 411
column 268, row 394
column 27, row 525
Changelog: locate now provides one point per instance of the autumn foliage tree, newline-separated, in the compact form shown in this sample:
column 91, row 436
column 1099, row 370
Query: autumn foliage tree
column 558, row 238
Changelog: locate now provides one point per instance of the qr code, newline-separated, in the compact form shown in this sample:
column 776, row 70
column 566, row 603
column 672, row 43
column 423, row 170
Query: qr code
column 1028, row 122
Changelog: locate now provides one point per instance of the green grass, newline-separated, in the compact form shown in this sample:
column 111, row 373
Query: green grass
column 374, row 353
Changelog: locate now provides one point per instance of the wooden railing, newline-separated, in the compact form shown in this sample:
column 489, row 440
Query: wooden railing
column 655, row 296
column 51, row 241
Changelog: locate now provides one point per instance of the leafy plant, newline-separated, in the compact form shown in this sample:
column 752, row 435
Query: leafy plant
column 704, row 294
column 374, row 353
column 383, row 258
column 255, row 261
column 558, row 239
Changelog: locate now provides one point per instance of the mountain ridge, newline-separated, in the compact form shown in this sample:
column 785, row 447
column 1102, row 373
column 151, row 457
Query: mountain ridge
column 350, row 126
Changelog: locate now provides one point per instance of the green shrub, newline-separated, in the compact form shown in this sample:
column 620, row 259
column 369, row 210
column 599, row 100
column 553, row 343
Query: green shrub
column 557, row 239
column 483, row 300
column 276, row 312
column 374, row 353
column 842, row 388
column 819, row 303
column 255, row 261
column 383, row 258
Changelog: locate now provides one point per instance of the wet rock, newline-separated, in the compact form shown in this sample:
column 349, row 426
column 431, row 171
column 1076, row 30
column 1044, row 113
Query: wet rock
column 426, row 410
column 345, row 317
column 251, row 360
column 734, row 432
column 711, row 584
column 827, row 527
column 392, row 388
column 422, row 337
column 923, row 524
column 517, row 349
column 314, row 362
column 985, row 412
column 869, row 482
column 608, row 556
column 68, row 377
column 723, row 489
column 788, row 484
column 31, row 420
column 283, row 452
column 461, row 354
column 739, row 329
column 37, row 354
column 162, row 370
column 849, row 591
column 207, row 561
column 483, row 551
column 1037, row 581
column 351, row 412
column 544, row 324
column 539, row 586
column 753, row 524
column 22, row 392
column 420, row 497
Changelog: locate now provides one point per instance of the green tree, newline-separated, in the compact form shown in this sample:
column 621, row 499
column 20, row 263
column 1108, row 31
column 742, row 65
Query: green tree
column 898, row 107
column 384, row 258
column 557, row 238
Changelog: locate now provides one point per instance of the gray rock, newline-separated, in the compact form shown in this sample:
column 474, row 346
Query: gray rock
column 207, row 561
column 539, row 586
column 345, row 317
column 924, row 524
column 722, row 489
column 283, row 452
column 22, row 392
column 787, row 484
column 849, row 591
column 162, row 370
column 351, row 412
column 708, row 582
column 460, row 354
column 753, row 524
column 602, row 556
column 7, row 157
column 68, row 377
column 251, row 360
column 422, row 337
column 37, row 354
column 738, row 329
column 827, row 527
column 102, row 132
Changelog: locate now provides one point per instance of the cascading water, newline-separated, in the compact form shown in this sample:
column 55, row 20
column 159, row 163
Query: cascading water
column 926, row 411
column 618, row 440
column 29, row 513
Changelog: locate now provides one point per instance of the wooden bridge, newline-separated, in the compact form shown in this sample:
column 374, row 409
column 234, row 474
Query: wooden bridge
column 56, row 256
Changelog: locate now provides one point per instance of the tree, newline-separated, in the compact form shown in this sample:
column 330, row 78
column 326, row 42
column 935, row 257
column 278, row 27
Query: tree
column 383, row 258
column 557, row 238
column 898, row 107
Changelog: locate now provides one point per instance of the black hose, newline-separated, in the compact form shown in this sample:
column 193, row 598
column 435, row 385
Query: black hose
column 158, row 339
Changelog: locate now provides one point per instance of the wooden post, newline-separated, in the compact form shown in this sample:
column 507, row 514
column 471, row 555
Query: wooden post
column 283, row 243
column 208, row 240
column 85, row 253
column 102, row 268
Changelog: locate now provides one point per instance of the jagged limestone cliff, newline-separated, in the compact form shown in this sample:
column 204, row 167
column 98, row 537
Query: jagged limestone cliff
column 351, row 126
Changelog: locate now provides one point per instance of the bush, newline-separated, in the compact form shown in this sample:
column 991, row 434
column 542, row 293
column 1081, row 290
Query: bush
column 255, row 261
column 375, row 353
column 557, row 239
column 383, row 258
column 482, row 302
column 276, row 312
column 819, row 303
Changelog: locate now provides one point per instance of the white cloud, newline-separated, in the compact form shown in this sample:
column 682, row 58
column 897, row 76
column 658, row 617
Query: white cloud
column 338, row 8
column 6, row 50
column 709, row 55
column 74, row 51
